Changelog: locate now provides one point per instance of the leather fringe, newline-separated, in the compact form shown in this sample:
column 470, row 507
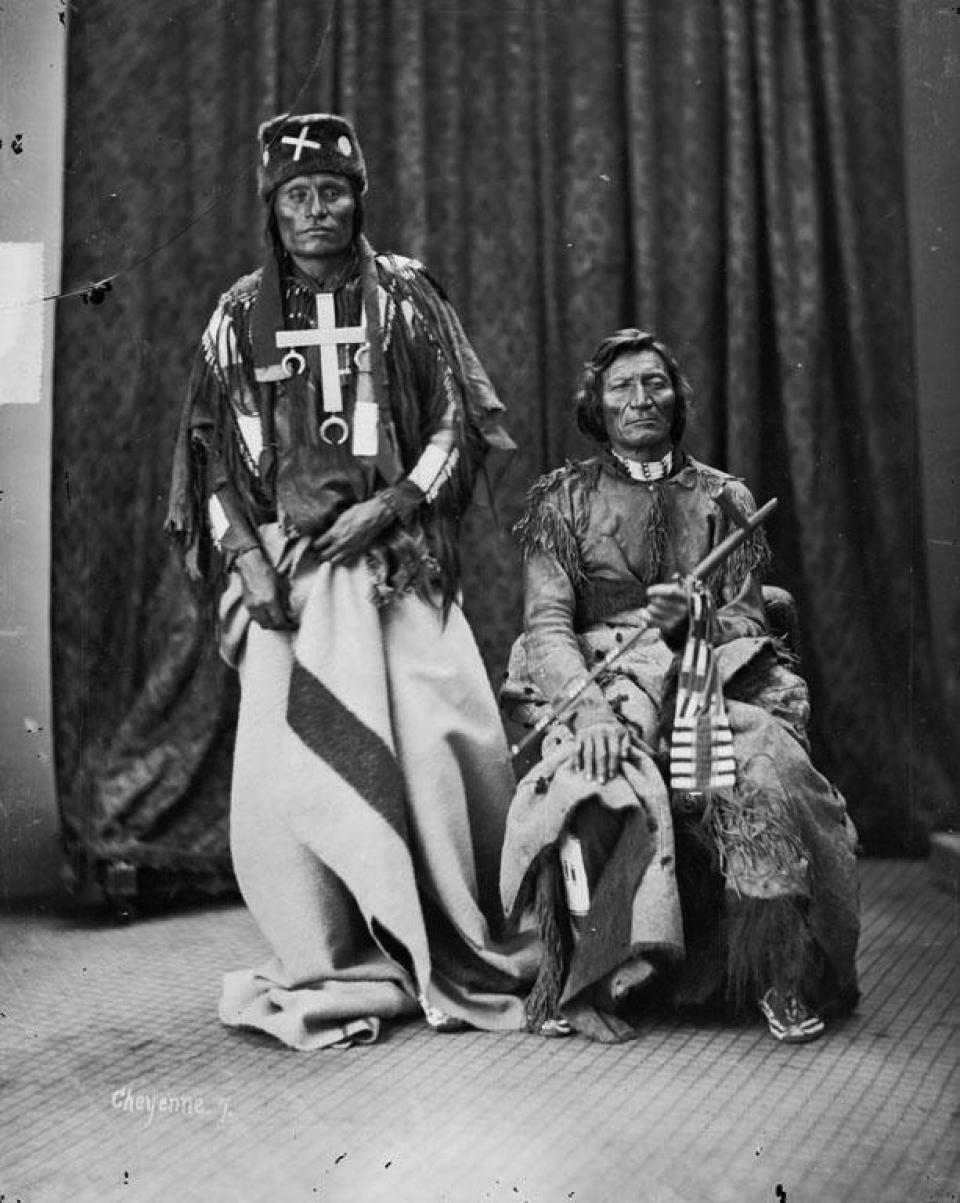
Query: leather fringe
column 755, row 837
column 768, row 943
column 543, row 1001
column 656, row 535
column 542, row 528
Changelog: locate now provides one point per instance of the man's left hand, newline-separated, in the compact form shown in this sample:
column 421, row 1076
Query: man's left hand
column 354, row 531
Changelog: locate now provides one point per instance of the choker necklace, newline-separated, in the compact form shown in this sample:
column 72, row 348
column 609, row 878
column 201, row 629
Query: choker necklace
column 647, row 471
column 303, row 281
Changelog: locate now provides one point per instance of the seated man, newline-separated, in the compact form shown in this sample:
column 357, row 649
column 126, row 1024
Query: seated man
column 674, row 839
column 336, row 418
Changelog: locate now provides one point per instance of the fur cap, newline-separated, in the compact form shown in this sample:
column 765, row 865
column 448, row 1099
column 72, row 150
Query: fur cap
column 305, row 144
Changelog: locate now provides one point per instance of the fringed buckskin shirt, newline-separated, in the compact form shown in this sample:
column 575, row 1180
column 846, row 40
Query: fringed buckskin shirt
column 594, row 539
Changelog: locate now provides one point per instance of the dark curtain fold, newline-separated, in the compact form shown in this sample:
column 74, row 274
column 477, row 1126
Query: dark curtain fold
column 726, row 172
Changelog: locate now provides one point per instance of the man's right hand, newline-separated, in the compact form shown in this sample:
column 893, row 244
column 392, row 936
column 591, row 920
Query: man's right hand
column 264, row 591
column 600, row 749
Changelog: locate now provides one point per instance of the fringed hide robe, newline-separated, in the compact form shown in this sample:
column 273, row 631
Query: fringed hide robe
column 688, row 894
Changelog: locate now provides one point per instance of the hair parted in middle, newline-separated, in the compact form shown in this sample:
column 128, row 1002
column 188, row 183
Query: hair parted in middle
column 588, row 403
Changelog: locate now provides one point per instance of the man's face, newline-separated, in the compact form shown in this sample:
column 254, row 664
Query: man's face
column 638, row 404
column 315, row 216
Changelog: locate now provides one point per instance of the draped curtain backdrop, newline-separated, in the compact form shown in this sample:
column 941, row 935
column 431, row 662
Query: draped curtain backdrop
column 727, row 173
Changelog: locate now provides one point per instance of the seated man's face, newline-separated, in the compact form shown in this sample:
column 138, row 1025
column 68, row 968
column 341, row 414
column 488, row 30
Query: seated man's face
column 638, row 405
column 315, row 216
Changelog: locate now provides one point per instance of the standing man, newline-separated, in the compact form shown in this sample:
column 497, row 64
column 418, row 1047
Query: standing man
column 336, row 419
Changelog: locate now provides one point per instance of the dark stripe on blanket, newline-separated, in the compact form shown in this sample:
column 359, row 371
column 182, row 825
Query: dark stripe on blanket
column 605, row 944
column 454, row 958
column 338, row 737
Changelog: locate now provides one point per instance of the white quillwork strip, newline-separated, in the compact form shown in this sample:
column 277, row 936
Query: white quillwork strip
column 409, row 313
column 366, row 419
column 575, row 884
column 251, row 434
column 223, row 339
column 219, row 525
column 444, row 475
column 434, row 467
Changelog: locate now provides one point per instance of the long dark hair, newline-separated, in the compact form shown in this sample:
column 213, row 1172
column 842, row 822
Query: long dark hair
column 588, row 404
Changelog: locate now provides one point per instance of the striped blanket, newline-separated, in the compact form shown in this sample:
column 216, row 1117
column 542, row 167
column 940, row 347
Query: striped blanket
column 371, row 784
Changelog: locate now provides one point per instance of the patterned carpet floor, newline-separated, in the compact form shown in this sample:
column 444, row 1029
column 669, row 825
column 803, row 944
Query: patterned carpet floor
column 100, row 1023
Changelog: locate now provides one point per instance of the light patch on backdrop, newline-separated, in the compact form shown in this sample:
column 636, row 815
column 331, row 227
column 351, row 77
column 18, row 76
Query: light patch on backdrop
column 21, row 330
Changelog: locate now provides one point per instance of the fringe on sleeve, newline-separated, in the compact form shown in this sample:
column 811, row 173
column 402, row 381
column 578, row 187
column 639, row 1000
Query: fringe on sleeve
column 209, row 449
column 480, row 414
column 542, row 527
column 185, row 520
column 753, row 555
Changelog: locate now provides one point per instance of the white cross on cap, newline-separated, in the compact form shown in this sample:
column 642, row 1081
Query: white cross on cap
column 300, row 143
